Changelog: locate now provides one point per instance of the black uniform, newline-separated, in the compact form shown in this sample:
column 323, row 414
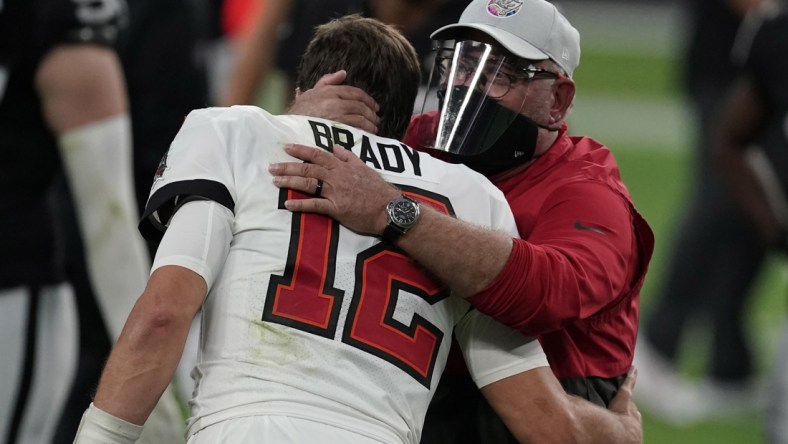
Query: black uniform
column 762, row 50
column 716, row 254
column 30, row 28
column 31, row 258
column 765, row 61
column 165, row 67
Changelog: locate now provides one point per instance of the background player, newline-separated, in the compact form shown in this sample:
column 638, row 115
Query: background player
column 750, row 144
column 63, row 110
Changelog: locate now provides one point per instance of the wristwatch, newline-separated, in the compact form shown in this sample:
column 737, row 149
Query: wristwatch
column 402, row 213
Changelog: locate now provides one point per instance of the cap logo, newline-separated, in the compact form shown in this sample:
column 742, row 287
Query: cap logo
column 504, row 8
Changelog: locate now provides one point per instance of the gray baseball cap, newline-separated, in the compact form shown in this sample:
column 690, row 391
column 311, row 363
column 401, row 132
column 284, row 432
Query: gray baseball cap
column 531, row 29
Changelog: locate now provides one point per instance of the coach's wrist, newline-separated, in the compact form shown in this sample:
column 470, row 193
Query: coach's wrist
column 100, row 427
column 402, row 213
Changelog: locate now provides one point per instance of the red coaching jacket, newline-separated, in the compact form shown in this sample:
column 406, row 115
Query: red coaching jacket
column 574, row 278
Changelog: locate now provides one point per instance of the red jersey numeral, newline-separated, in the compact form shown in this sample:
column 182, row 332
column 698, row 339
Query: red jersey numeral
column 305, row 298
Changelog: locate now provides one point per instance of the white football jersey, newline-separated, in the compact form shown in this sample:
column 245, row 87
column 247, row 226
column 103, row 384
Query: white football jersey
column 306, row 318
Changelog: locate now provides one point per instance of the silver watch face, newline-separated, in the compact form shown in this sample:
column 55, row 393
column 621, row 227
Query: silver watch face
column 403, row 212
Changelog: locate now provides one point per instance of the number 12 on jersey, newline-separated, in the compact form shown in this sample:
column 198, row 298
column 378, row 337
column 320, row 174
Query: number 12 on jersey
column 305, row 298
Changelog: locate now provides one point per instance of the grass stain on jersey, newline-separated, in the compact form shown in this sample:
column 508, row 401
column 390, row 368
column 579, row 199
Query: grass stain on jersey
column 278, row 344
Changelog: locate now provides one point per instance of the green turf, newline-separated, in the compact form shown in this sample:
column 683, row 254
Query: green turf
column 741, row 431
column 627, row 75
column 659, row 178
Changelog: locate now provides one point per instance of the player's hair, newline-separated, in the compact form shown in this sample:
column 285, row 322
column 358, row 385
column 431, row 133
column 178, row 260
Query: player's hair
column 377, row 58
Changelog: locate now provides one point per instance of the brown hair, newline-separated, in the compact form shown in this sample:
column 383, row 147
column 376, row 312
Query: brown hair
column 377, row 58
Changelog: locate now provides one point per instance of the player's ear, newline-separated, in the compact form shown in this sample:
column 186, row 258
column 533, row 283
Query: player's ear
column 298, row 92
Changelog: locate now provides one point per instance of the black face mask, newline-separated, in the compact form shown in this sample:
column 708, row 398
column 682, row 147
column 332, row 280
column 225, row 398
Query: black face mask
column 499, row 138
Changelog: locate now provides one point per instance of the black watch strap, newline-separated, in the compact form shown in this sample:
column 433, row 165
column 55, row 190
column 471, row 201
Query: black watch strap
column 392, row 233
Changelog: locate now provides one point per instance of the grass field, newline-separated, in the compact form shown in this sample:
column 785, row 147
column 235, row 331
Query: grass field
column 657, row 181
column 657, row 171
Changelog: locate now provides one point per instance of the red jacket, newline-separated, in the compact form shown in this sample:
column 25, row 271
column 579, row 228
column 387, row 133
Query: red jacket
column 574, row 278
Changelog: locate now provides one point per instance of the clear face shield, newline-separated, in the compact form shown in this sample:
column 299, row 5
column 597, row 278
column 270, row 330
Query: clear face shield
column 476, row 94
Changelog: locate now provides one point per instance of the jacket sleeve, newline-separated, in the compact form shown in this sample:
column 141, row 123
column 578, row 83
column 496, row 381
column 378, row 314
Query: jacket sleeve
column 581, row 256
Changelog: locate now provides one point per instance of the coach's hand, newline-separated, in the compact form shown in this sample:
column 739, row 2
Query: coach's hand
column 330, row 99
column 623, row 404
column 349, row 191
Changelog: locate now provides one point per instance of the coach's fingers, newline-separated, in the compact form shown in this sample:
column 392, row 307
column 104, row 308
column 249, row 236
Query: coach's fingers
column 358, row 95
column 622, row 402
column 347, row 92
column 310, row 154
column 334, row 78
column 313, row 205
column 363, row 122
column 343, row 104
column 359, row 116
column 625, row 391
column 632, row 377
column 347, row 156
column 307, row 185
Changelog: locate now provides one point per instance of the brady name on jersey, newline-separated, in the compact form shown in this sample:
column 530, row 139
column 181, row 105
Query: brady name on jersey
column 381, row 155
